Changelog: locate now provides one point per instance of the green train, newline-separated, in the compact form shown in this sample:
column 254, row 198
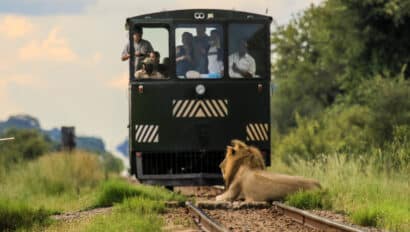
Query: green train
column 197, row 79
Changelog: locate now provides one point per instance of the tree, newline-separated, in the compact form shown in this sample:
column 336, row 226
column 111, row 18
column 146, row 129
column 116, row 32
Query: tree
column 325, row 53
column 28, row 145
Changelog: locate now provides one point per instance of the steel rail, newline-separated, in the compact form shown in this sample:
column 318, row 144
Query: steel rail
column 311, row 220
column 203, row 221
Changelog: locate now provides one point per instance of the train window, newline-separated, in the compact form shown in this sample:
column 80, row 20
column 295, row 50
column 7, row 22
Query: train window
column 247, row 50
column 151, row 52
column 199, row 51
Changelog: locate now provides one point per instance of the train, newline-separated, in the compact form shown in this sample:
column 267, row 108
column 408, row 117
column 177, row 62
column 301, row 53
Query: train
column 198, row 78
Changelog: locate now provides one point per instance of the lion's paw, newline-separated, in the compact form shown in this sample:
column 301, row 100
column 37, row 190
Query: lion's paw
column 219, row 197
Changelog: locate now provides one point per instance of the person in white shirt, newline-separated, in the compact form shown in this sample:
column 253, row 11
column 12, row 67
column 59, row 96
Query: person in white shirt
column 241, row 64
column 215, row 63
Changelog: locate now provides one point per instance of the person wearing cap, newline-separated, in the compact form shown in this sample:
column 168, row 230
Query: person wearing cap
column 142, row 48
column 147, row 70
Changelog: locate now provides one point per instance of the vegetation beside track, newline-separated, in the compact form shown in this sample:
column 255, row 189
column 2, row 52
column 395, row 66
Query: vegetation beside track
column 369, row 196
column 36, row 183
column 341, row 109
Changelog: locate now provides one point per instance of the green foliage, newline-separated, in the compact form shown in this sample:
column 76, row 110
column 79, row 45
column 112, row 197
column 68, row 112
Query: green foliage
column 141, row 205
column 28, row 145
column 137, row 207
column 112, row 164
column 376, row 123
column 115, row 191
column 76, row 171
column 367, row 216
column 125, row 221
column 354, row 185
column 337, row 130
column 58, row 181
column 15, row 215
column 388, row 101
column 133, row 214
column 317, row 199
column 326, row 53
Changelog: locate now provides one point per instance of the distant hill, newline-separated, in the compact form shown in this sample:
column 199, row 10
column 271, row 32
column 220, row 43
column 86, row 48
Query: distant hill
column 24, row 121
column 123, row 148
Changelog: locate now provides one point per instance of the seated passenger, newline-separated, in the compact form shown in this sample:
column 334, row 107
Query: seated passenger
column 241, row 64
column 154, row 56
column 215, row 56
column 148, row 71
column 184, row 55
column 163, row 68
column 201, row 47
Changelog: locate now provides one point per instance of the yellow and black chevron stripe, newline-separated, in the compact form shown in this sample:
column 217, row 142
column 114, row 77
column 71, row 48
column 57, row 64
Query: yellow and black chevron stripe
column 257, row 132
column 146, row 133
column 204, row 108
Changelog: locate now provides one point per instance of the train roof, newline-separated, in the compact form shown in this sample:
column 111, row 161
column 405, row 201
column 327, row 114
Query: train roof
column 210, row 15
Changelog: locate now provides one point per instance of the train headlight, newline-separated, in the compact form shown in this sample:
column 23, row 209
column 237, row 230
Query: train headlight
column 200, row 89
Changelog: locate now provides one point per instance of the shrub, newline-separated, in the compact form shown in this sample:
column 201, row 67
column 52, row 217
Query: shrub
column 338, row 130
column 28, row 145
column 112, row 164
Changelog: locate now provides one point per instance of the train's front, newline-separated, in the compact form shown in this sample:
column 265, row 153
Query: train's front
column 198, row 79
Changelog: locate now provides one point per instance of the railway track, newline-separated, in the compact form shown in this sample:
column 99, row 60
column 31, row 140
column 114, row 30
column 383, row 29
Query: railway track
column 213, row 216
column 293, row 219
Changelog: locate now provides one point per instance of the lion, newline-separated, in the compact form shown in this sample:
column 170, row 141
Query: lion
column 245, row 177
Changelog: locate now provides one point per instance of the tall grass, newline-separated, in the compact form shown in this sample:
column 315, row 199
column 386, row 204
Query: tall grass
column 53, row 179
column 32, row 190
column 15, row 215
column 368, row 194
column 114, row 191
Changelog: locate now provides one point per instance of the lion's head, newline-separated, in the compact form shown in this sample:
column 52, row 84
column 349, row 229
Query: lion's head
column 237, row 155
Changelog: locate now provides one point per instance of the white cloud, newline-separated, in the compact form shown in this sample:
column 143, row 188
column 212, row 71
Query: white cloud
column 96, row 58
column 13, row 26
column 8, row 106
column 52, row 48
column 120, row 82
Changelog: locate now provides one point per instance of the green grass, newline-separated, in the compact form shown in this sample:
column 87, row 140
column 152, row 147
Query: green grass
column 115, row 191
column 133, row 214
column 368, row 195
column 52, row 183
column 16, row 215
column 316, row 199
column 58, row 181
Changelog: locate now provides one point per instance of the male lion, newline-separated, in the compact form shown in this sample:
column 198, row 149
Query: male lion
column 245, row 177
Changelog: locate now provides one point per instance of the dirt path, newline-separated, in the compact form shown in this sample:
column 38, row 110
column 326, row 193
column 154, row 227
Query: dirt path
column 70, row 216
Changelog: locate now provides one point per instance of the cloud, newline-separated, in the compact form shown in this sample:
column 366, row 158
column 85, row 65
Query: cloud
column 96, row 58
column 53, row 48
column 44, row 7
column 120, row 82
column 21, row 80
column 13, row 26
column 8, row 106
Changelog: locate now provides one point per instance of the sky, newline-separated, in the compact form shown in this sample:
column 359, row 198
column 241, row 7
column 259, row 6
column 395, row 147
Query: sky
column 60, row 59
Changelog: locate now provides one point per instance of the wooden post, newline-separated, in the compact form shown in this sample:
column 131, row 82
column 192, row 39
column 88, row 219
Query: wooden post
column 67, row 138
